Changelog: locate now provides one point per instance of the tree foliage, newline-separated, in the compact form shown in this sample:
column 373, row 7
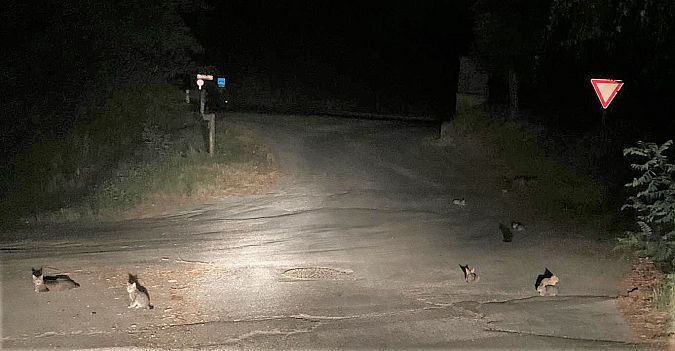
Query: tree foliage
column 64, row 59
column 654, row 203
column 631, row 37
column 73, row 54
column 570, row 40
column 507, row 38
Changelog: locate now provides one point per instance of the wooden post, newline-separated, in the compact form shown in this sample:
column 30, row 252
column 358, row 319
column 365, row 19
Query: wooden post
column 212, row 134
column 513, row 94
column 211, row 117
column 202, row 100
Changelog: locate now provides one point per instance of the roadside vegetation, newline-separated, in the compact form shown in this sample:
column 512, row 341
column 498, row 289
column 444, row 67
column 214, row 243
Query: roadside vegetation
column 145, row 148
column 557, row 190
column 653, row 202
column 566, row 188
column 665, row 300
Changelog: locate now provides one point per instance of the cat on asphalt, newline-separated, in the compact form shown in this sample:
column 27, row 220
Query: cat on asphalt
column 138, row 294
column 517, row 226
column 47, row 283
column 547, row 284
column 507, row 234
column 470, row 275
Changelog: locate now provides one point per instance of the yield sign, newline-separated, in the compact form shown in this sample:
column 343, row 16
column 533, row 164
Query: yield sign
column 606, row 90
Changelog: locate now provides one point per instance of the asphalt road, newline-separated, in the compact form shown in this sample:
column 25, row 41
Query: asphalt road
column 357, row 246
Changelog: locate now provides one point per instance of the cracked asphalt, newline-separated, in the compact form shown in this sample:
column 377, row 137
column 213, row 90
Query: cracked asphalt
column 358, row 246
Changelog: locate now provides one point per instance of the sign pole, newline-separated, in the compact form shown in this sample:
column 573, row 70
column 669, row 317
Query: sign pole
column 211, row 118
column 606, row 90
column 212, row 134
column 603, row 126
column 202, row 100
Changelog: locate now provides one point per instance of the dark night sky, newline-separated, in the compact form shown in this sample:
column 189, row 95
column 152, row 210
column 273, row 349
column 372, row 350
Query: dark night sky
column 332, row 31
column 349, row 45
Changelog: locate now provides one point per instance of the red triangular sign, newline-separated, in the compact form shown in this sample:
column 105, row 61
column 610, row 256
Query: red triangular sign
column 606, row 90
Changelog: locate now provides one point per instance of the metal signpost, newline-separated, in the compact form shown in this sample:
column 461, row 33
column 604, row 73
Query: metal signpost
column 606, row 90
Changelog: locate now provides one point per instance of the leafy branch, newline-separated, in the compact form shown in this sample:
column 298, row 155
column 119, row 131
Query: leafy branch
column 653, row 203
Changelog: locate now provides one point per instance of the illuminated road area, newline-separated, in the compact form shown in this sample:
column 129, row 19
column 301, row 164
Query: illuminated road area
column 358, row 246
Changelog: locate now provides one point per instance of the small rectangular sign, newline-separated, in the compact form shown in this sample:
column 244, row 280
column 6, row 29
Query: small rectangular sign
column 221, row 82
column 205, row 77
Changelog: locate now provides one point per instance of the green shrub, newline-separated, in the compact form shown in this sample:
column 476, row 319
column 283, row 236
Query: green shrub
column 518, row 145
column 56, row 172
column 654, row 203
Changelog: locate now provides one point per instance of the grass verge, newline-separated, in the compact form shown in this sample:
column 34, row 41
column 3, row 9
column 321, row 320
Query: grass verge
column 557, row 189
column 665, row 301
column 145, row 187
column 143, row 151
column 646, row 301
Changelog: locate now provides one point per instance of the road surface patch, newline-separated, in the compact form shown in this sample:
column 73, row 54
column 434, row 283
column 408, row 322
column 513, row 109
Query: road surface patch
column 316, row 273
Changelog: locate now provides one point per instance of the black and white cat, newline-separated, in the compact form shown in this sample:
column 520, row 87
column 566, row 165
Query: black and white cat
column 47, row 283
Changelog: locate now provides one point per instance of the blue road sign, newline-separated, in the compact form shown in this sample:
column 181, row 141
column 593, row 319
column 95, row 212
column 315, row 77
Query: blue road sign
column 221, row 82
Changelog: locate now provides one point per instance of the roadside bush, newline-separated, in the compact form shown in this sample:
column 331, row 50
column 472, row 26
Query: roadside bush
column 559, row 190
column 654, row 204
column 56, row 172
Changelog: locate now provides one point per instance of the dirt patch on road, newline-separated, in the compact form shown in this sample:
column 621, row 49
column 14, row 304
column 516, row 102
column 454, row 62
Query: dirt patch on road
column 235, row 180
column 638, row 305
column 176, row 292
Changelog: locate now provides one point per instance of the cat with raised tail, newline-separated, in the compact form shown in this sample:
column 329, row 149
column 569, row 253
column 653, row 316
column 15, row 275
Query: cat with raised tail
column 547, row 284
column 470, row 275
column 47, row 283
column 138, row 294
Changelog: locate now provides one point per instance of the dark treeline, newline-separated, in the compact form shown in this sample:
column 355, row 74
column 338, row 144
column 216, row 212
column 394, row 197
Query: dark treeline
column 401, row 56
column 62, row 59
column 557, row 46
column 374, row 56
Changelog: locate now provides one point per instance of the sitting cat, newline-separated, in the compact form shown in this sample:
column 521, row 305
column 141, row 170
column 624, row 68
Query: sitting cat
column 138, row 294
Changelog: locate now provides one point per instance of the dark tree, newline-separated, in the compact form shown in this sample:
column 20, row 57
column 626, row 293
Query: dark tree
column 509, row 36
